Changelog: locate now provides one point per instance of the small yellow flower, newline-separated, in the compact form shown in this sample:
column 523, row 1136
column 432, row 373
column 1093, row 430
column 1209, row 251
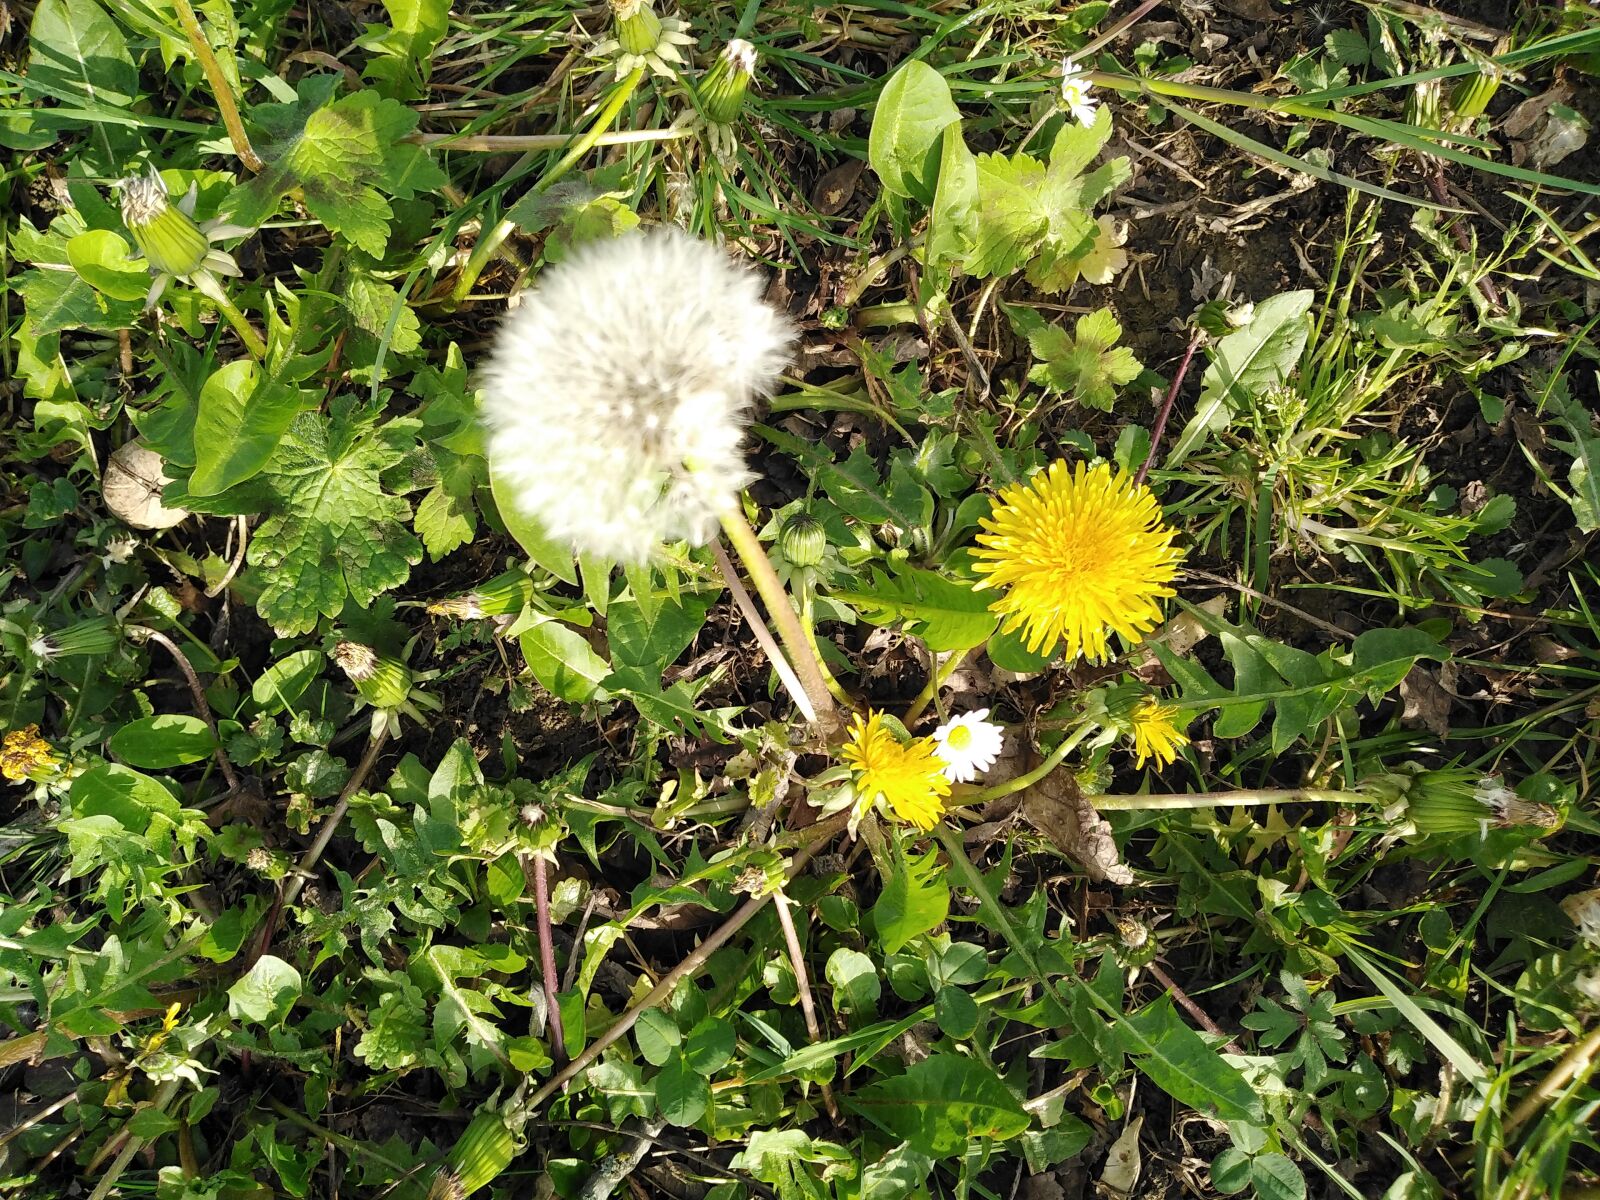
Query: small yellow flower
column 1079, row 554
column 1154, row 734
column 906, row 777
column 24, row 753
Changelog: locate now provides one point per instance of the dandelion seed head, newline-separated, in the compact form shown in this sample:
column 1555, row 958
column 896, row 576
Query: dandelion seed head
column 740, row 54
column 618, row 392
column 144, row 198
column 1583, row 910
column 1511, row 810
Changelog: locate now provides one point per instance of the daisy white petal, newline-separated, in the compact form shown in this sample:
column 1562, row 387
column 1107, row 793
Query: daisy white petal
column 968, row 745
column 1075, row 89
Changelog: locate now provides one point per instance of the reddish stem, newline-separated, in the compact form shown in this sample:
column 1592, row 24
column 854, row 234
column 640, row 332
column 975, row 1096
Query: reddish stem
column 1166, row 407
column 547, row 960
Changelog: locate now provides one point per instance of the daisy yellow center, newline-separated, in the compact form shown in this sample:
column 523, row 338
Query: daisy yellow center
column 908, row 778
column 1077, row 556
column 959, row 738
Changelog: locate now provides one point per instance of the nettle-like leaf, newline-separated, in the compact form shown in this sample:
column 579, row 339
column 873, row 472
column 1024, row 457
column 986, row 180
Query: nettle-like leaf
column 346, row 157
column 1040, row 216
column 1086, row 364
column 335, row 533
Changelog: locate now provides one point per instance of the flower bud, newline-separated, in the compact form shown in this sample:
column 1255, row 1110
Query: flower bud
column 723, row 88
column 479, row 1157
column 638, row 27
column 168, row 238
column 803, row 540
column 1472, row 95
column 96, row 635
column 502, row 596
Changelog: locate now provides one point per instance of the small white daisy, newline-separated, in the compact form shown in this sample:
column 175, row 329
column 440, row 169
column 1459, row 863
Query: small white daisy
column 618, row 391
column 1075, row 89
column 968, row 745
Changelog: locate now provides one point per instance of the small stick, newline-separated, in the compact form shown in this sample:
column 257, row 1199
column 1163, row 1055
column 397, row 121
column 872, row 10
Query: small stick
column 764, row 638
column 1166, row 407
column 195, row 690
column 780, row 904
column 821, row 834
column 497, row 143
column 547, row 954
column 1190, row 1007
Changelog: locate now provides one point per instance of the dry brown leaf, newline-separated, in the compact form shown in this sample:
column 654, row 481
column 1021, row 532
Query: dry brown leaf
column 1057, row 809
column 1426, row 702
column 1123, row 1163
column 132, row 488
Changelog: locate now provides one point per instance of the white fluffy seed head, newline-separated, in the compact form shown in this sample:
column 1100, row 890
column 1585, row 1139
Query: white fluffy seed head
column 617, row 393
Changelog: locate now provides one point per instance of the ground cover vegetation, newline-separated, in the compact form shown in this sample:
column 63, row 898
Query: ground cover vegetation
column 836, row 602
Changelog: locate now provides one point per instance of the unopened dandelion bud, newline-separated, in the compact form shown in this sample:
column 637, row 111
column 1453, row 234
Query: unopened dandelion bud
column 479, row 1157
column 1472, row 95
column 501, row 596
column 95, row 635
column 1451, row 800
column 168, row 238
column 381, row 681
column 803, row 540
column 723, row 88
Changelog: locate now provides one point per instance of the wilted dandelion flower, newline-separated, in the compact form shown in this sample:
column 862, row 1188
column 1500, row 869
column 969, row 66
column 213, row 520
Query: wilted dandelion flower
column 1075, row 89
column 968, row 745
column 1449, row 800
column 170, row 240
column 907, row 778
column 24, row 754
column 640, row 38
column 1583, row 910
column 617, row 392
column 1155, row 734
column 1077, row 555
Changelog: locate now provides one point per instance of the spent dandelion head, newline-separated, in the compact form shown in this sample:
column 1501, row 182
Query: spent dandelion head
column 1455, row 800
column 1583, row 910
column 1156, row 734
column 1076, row 556
column 905, row 777
column 617, row 392
column 640, row 38
column 174, row 245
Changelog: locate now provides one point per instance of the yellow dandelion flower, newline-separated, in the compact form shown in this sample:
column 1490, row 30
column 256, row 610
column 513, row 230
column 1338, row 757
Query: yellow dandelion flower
column 906, row 777
column 24, row 753
column 1079, row 554
column 1154, row 734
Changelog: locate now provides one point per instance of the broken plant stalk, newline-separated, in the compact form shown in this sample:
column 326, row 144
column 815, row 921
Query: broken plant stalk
column 538, row 874
column 763, row 635
column 227, row 106
column 802, row 985
column 1239, row 799
column 749, row 549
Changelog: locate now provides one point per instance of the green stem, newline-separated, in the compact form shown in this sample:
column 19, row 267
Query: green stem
column 241, row 324
column 937, row 680
column 490, row 243
column 220, row 88
column 1239, row 799
column 808, row 626
column 779, row 608
column 1028, row 778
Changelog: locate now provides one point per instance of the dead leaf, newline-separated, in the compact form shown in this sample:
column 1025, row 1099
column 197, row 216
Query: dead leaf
column 132, row 488
column 833, row 190
column 1252, row 10
column 1123, row 1162
column 1057, row 809
column 1425, row 702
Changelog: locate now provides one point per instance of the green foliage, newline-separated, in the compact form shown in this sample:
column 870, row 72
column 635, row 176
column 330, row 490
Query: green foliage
column 1086, row 364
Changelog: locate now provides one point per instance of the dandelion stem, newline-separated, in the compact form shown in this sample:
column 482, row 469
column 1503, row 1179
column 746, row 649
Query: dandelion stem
column 935, row 681
column 1239, row 799
column 752, row 616
column 220, row 88
column 241, row 324
column 1028, row 778
column 791, row 937
column 489, row 244
column 506, row 143
column 748, row 547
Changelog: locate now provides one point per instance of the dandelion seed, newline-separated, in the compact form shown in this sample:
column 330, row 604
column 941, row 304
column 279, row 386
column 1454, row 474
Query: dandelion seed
column 1075, row 89
column 1077, row 555
column 618, row 391
column 907, row 778
column 968, row 745
column 1155, row 735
